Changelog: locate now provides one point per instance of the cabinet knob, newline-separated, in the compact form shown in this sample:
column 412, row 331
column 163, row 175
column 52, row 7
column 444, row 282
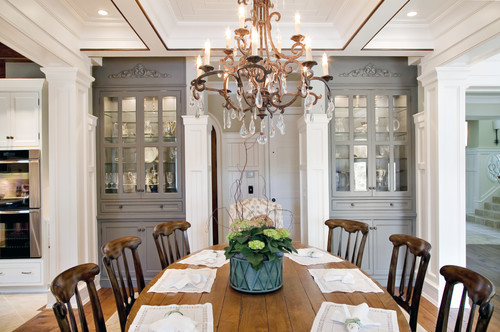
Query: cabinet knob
column 120, row 206
column 140, row 190
column 26, row 272
column 1, row 273
column 391, row 204
column 352, row 204
column 161, row 206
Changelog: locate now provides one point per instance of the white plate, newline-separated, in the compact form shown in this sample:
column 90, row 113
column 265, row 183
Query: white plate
column 150, row 154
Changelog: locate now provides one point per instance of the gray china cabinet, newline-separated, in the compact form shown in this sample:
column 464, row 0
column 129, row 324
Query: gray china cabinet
column 371, row 152
column 139, row 103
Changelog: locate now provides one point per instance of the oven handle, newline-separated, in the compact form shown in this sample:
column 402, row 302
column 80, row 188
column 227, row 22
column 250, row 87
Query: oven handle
column 15, row 212
column 18, row 161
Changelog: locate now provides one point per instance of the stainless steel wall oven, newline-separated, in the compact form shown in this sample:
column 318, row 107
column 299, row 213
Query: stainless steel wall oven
column 20, row 219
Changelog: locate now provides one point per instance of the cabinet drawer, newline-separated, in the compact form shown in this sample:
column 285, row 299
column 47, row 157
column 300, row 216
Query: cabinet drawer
column 386, row 205
column 15, row 274
column 112, row 207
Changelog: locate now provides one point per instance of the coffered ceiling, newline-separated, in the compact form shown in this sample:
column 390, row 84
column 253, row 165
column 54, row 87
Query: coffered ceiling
column 181, row 27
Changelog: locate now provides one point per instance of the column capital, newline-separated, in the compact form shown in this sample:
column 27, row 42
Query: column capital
column 194, row 120
column 62, row 74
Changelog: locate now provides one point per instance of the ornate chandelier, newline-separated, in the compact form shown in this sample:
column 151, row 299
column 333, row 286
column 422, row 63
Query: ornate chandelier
column 260, row 74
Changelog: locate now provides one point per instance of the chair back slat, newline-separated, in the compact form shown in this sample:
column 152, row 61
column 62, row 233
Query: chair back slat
column 171, row 241
column 356, row 233
column 477, row 290
column 411, row 282
column 65, row 286
column 119, row 272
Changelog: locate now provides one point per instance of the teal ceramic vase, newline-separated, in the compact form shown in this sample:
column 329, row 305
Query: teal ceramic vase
column 244, row 278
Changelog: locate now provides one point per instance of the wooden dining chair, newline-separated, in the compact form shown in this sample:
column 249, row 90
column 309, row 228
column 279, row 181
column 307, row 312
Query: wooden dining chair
column 65, row 286
column 356, row 232
column 116, row 255
column 480, row 292
column 171, row 241
column 416, row 254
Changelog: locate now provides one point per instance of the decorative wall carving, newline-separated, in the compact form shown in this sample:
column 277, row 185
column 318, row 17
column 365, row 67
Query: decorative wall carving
column 370, row 71
column 139, row 71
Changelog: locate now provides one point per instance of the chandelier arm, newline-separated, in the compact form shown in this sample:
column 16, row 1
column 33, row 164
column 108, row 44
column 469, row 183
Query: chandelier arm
column 269, row 29
column 321, row 79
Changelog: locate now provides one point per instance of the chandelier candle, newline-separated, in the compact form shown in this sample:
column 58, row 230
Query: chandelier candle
column 228, row 38
column 297, row 23
column 198, row 65
column 207, row 53
column 325, row 65
column 241, row 15
column 255, row 84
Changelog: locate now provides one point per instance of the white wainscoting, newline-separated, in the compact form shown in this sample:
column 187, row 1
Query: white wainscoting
column 479, row 187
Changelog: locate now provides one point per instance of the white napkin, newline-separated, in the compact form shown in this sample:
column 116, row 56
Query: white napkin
column 355, row 319
column 184, row 279
column 175, row 322
column 309, row 252
column 210, row 258
column 207, row 256
column 344, row 280
column 347, row 278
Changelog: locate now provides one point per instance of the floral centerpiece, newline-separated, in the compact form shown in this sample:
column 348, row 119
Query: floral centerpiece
column 255, row 252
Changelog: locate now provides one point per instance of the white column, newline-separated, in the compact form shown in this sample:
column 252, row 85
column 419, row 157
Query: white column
column 314, row 179
column 440, row 168
column 70, row 201
column 197, row 174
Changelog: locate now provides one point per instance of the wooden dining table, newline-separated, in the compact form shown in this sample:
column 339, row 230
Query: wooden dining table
column 291, row 308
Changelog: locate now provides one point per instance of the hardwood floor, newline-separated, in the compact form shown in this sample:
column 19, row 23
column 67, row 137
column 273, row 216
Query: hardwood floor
column 484, row 259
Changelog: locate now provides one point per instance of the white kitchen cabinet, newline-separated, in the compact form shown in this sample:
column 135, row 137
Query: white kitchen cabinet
column 20, row 272
column 20, row 113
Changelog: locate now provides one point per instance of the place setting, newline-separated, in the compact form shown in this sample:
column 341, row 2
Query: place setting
column 188, row 318
column 312, row 256
column 344, row 280
column 185, row 280
column 210, row 258
column 353, row 318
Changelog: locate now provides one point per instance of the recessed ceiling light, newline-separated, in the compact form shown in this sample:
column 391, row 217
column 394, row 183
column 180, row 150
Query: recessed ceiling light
column 102, row 12
column 412, row 13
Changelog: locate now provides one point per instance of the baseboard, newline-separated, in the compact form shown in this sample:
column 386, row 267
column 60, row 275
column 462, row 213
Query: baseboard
column 431, row 292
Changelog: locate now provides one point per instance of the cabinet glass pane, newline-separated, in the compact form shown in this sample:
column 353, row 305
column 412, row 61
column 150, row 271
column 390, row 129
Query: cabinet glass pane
column 129, row 120
column 110, row 119
column 400, row 117
column 360, row 168
column 169, row 107
column 382, row 167
column 341, row 118
column 342, row 181
column 150, row 119
column 129, row 170
column 360, row 117
column 151, row 169
column 382, row 118
column 400, row 168
column 111, row 175
column 170, row 169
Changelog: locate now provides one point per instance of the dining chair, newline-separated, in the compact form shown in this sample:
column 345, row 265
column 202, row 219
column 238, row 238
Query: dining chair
column 480, row 291
column 116, row 256
column 65, row 286
column 416, row 254
column 356, row 232
column 171, row 241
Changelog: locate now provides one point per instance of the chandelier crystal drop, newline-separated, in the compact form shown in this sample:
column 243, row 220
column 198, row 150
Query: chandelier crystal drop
column 260, row 74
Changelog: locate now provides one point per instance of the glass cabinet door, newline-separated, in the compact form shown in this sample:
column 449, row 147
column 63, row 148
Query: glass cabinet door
column 141, row 145
column 370, row 143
